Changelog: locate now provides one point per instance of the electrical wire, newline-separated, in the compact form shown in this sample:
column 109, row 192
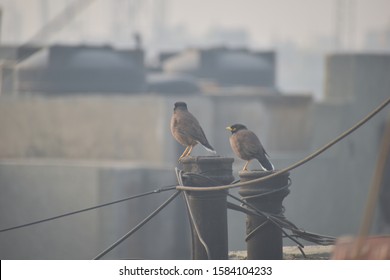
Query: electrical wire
column 268, row 217
column 137, row 227
column 194, row 224
column 167, row 188
column 297, row 164
column 279, row 220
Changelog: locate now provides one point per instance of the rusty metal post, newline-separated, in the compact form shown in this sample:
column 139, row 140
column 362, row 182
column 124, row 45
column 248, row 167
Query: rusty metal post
column 264, row 239
column 209, row 208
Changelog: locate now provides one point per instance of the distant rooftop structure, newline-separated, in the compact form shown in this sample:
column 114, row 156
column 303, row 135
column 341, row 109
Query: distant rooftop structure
column 350, row 77
column 64, row 69
column 226, row 67
column 15, row 53
column 172, row 83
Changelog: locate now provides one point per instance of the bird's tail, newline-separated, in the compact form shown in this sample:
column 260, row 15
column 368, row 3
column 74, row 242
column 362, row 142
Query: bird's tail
column 208, row 147
column 266, row 164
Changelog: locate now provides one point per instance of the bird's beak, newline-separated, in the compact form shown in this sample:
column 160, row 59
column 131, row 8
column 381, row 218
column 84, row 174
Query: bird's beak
column 229, row 128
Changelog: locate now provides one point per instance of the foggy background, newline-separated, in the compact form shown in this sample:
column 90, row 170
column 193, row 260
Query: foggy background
column 301, row 31
column 87, row 92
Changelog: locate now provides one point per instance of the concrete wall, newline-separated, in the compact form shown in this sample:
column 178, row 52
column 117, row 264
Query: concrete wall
column 137, row 127
column 83, row 128
column 37, row 189
column 362, row 78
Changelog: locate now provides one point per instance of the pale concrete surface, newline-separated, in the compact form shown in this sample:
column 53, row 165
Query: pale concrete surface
column 293, row 253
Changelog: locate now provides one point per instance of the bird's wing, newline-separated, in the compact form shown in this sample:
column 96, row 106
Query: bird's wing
column 250, row 142
column 193, row 128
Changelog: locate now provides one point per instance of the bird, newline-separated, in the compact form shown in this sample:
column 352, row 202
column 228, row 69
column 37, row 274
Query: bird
column 247, row 146
column 187, row 131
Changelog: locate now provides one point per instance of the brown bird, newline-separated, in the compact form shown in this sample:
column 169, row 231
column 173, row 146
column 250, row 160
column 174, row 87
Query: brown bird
column 186, row 130
column 247, row 146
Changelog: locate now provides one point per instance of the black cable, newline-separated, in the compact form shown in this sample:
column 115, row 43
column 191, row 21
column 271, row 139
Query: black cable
column 271, row 191
column 272, row 218
column 282, row 222
column 137, row 227
column 167, row 188
column 239, row 208
column 212, row 180
column 278, row 220
column 253, row 232
column 302, row 252
column 268, row 217
column 200, row 175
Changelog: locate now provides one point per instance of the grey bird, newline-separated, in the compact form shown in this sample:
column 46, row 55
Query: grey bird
column 187, row 131
column 247, row 146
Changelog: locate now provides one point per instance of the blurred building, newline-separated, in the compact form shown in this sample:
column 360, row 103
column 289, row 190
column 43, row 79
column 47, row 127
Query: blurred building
column 16, row 52
column 378, row 40
column 226, row 67
column 10, row 55
column 332, row 189
column 79, row 69
column 107, row 146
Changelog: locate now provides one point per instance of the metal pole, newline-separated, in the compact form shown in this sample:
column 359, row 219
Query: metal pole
column 264, row 239
column 208, row 210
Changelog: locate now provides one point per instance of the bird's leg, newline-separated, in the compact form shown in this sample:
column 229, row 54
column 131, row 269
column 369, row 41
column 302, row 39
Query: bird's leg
column 184, row 154
column 246, row 166
column 189, row 151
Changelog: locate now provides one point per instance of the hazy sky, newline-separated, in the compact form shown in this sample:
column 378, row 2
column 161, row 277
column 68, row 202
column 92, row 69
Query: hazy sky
column 303, row 22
